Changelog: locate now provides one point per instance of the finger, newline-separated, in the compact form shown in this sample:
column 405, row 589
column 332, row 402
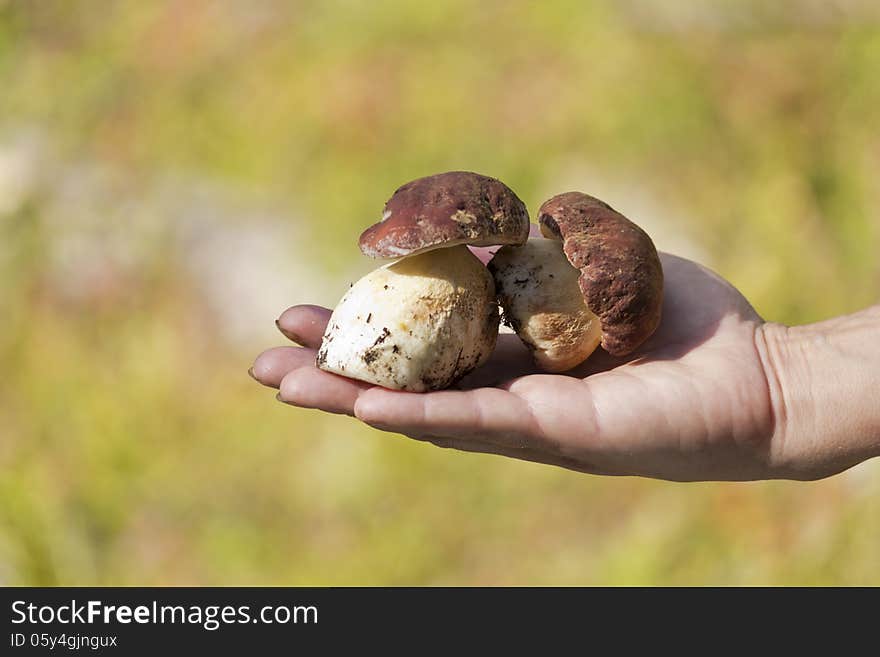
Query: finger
column 486, row 414
column 485, row 254
column 273, row 365
column 523, row 454
column 304, row 324
column 309, row 387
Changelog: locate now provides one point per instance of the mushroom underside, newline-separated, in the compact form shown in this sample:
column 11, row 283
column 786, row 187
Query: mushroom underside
column 541, row 299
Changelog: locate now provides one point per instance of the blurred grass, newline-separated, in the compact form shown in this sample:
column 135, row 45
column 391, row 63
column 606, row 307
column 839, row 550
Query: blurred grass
column 134, row 449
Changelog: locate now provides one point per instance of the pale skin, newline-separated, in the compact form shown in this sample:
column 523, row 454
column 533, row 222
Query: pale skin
column 716, row 393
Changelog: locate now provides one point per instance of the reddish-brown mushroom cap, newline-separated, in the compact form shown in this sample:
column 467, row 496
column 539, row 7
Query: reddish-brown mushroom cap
column 621, row 276
column 447, row 209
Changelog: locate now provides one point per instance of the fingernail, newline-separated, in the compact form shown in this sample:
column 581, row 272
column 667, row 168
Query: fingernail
column 278, row 397
column 251, row 374
column 290, row 335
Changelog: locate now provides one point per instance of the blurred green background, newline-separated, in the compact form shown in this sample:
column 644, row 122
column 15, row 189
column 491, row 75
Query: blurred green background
column 174, row 174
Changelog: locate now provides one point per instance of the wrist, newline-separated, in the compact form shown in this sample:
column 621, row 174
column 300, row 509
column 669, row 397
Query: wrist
column 824, row 380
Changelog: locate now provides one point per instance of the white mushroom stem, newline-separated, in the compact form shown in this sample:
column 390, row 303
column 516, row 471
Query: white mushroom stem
column 417, row 324
column 539, row 293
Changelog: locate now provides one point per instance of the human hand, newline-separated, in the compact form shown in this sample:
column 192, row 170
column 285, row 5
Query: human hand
column 700, row 400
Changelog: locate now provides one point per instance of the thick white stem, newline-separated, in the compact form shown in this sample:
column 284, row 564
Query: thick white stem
column 417, row 324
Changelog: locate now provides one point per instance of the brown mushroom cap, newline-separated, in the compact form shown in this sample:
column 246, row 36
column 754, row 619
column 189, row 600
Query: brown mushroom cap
column 447, row 209
column 621, row 276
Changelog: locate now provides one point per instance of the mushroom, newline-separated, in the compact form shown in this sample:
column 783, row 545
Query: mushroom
column 537, row 288
column 596, row 278
column 426, row 320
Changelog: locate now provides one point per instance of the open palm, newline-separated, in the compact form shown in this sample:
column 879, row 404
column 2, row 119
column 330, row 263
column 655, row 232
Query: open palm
column 693, row 403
